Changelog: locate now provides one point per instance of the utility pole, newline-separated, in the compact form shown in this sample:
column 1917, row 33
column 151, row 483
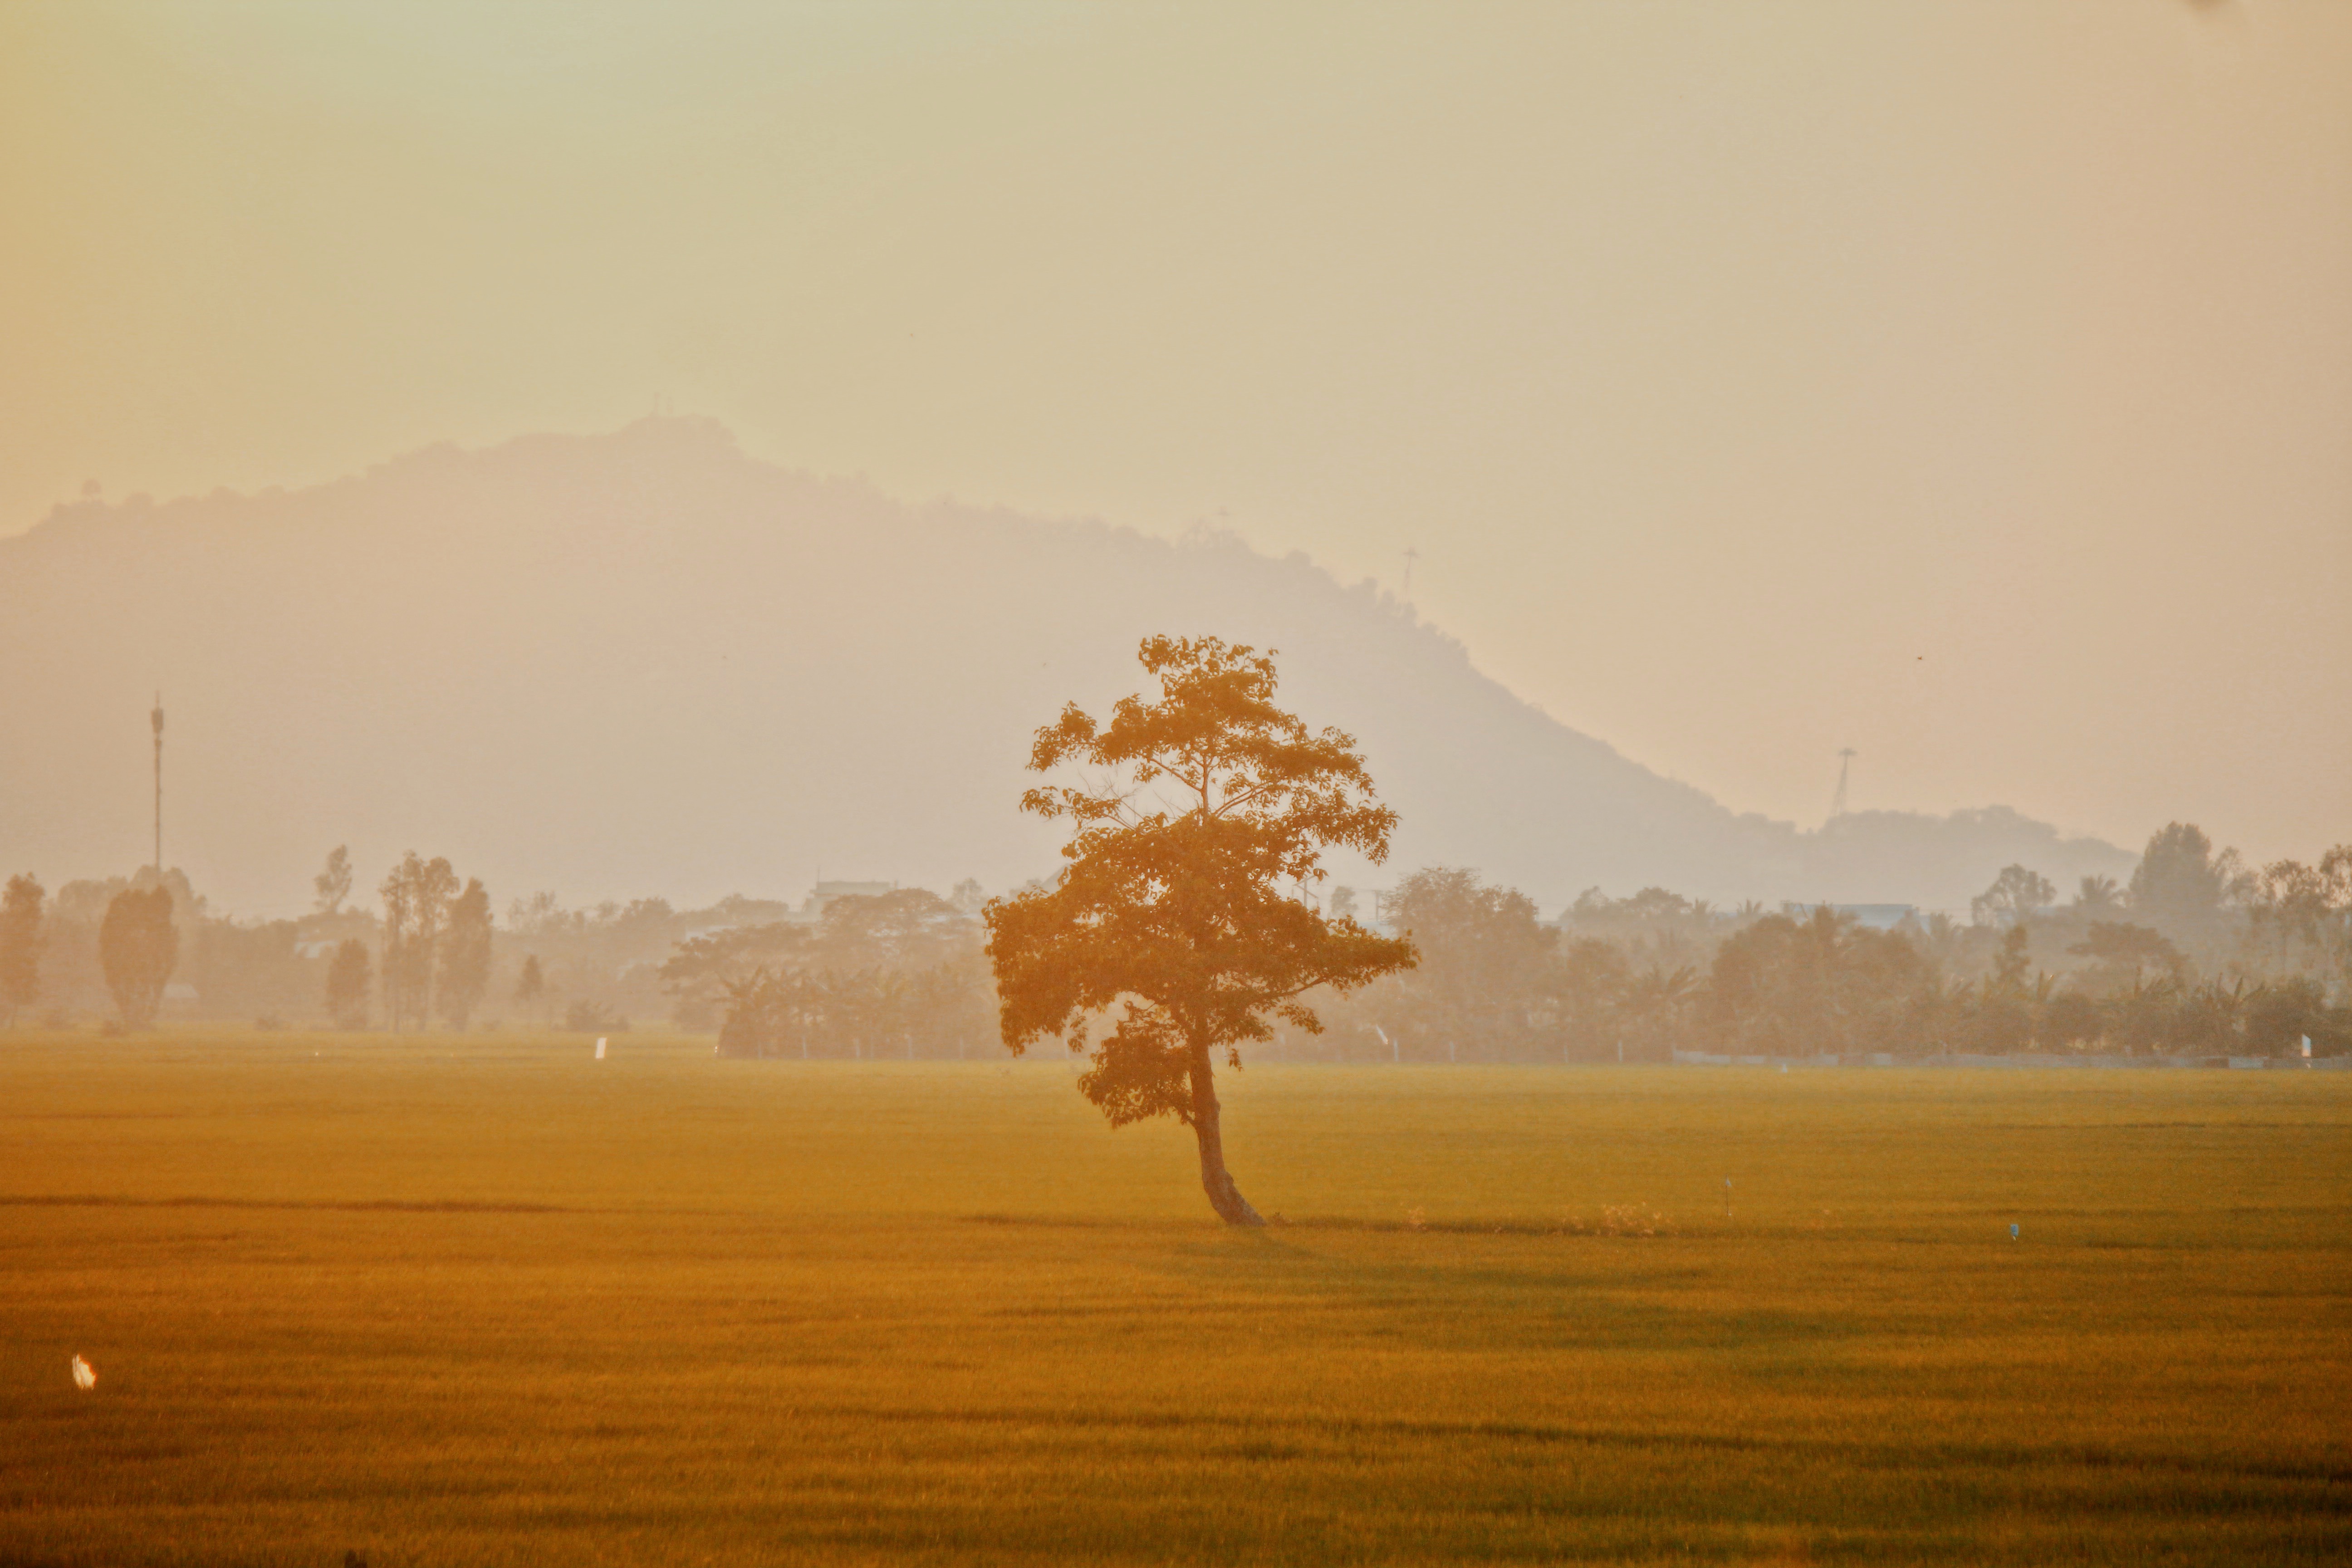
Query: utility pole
column 1845, row 760
column 156, row 719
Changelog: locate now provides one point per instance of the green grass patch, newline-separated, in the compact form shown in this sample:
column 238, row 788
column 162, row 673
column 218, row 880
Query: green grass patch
column 486, row 1300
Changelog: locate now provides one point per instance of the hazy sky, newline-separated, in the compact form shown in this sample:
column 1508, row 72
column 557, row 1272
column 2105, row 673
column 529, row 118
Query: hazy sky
column 1970, row 384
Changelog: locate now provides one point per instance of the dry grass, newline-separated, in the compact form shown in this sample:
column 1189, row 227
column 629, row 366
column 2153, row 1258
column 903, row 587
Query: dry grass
column 487, row 1301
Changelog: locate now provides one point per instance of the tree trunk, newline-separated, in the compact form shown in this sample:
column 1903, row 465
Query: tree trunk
column 1215, row 1180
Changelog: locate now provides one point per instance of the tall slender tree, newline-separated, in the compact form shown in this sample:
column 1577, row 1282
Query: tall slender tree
column 415, row 907
column 20, row 944
column 530, row 987
column 348, row 977
column 1181, row 916
column 465, row 954
column 333, row 885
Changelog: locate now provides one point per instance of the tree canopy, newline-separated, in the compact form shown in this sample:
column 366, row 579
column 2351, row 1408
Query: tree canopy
column 1183, row 914
column 138, row 946
column 2017, row 894
column 1480, row 948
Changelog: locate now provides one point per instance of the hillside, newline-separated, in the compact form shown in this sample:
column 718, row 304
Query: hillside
column 643, row 663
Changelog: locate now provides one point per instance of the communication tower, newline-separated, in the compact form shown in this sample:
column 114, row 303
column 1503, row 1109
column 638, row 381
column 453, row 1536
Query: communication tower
column 1845, row 760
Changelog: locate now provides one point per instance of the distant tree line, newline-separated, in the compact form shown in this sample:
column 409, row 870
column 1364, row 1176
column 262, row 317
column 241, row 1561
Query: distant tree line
column 120, row 940
column 882, row 975
column 120, row 945
column 2199, row 956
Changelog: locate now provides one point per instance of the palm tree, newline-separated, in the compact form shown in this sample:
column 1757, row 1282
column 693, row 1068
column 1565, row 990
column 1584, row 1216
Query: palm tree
column 2098, row 894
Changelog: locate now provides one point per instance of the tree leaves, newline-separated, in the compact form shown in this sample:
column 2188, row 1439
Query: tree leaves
column 1180, row 910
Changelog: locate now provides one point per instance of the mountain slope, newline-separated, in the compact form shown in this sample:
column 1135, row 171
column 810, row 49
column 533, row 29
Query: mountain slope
column 643, row 663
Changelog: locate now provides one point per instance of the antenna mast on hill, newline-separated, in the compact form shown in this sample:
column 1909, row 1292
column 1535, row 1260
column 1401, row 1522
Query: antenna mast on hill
column 156, row 719
column 1845, row 760
column 1411, row 555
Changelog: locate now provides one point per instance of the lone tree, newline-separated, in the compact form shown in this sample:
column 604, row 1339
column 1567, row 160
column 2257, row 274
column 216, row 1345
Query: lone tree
column 1183, row 906
column 20, row 945
column 138, row 947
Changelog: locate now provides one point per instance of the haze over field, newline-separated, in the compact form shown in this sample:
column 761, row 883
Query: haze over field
column 1965, row 383
column 644, row 663
column 780, row 635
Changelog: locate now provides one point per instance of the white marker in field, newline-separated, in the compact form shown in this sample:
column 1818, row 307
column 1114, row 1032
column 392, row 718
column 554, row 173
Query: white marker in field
column 84, row 1378
column 600, row 1048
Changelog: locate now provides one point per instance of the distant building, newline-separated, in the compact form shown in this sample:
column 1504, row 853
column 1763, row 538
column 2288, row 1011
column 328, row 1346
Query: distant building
column 827, row 891
column 1877, row 917
column 812, row 906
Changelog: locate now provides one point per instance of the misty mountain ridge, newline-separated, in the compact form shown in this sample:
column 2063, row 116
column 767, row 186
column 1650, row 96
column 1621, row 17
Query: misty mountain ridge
column 641, row 662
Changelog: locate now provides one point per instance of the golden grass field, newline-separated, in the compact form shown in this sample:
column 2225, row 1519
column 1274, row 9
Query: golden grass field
column 484, row 1300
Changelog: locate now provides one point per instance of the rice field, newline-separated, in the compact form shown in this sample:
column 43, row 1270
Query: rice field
column 485, row 1299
